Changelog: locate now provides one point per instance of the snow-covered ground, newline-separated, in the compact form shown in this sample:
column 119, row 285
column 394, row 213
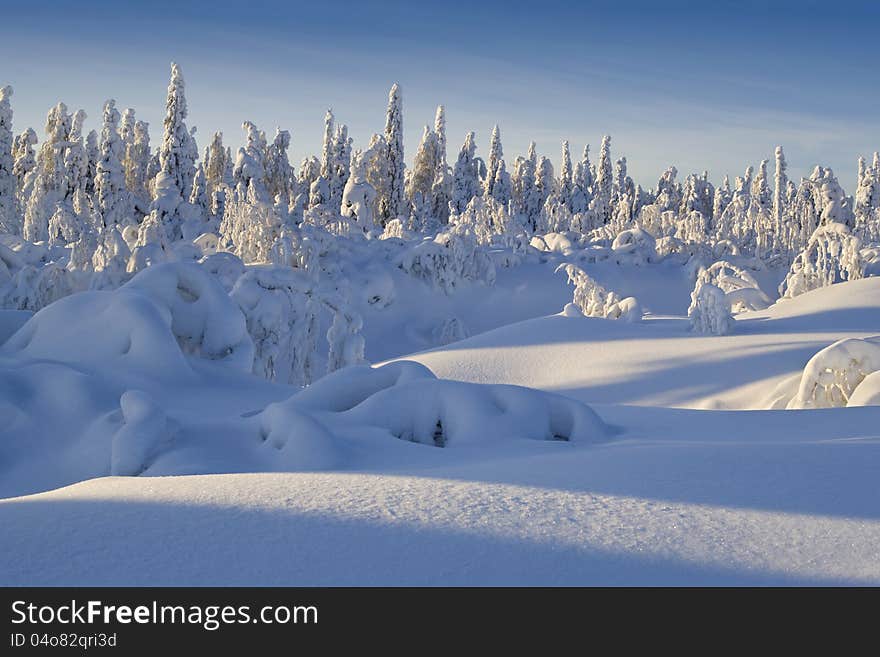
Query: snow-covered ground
column 659, row 361
column 392, row 476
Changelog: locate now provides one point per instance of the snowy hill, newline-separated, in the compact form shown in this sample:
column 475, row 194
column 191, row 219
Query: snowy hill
column 659, row 361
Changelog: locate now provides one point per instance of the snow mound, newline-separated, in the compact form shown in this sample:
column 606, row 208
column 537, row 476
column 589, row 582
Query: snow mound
column 144, row 327
column 300, row 442
column 868, row 391
column 119, row 331
column 346, row 388
column 205, row 321
column 835, row 373
column 139, row 439
column 452, row 413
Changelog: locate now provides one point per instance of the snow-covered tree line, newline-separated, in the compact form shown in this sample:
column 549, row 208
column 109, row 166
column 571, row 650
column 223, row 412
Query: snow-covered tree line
column 89, row 210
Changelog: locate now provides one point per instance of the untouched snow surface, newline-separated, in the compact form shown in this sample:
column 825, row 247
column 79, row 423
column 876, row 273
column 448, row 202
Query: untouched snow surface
column 394, row 476
column 660, row 361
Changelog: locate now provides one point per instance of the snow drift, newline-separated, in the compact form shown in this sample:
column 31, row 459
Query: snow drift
column 155, row 378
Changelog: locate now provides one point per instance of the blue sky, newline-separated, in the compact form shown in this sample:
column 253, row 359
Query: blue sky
column 716, row 87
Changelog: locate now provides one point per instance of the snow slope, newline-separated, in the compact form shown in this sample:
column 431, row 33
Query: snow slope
column 659, row 361
column 682, row 497
column 346, row 482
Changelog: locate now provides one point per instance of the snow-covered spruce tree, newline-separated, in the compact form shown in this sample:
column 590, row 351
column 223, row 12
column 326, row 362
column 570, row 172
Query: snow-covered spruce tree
column 829, row 198
column 555, row 215
column 761, row 215
column 377, row 170
column 72, row 219
column 466, row 176
column 623, row 196
column 526, row 196
column 93, row 154
column 733, row 224
column 544, row 184
column 199, row 197
column 720, row 201
column 126, row 134
column 10, row 210
column 25, row 163
column 867, row 201
column 780, row 187
column 669, row 192
column 137, row 163
column 618, row 187
column 328, row 144
column 583, row 179
column 48, row 175
column 309, row 172
column 341, row 166
column 278, row 169
column 75, row 158
column 421, row 182
column 359, row 196
column 216, row 164
column 440, row 135
column 174, row 180
column 249, row 171
column 501, row 190
column 392, row 202
column 113, row 200
column 601, row 204
column 566, row 177
column 441, row 189
column 191, row 150
column 496, row 155
column 218, row 174
column 761, row 195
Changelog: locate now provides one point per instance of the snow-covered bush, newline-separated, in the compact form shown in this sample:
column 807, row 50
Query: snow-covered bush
column 831, row 256
column 283, row 308
column 447, row 261
column 739, row 286
column 281, row 312
column 486, row 219
column 831, row 377
column 395, row 229
column 346, row 344
column 249, row 227
column 709, row 311
column 376, row 288
column 593, row 300
column 634, row 246
column 450, row 330
column 225, row 267
column 553, row 243
column 32, row 288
